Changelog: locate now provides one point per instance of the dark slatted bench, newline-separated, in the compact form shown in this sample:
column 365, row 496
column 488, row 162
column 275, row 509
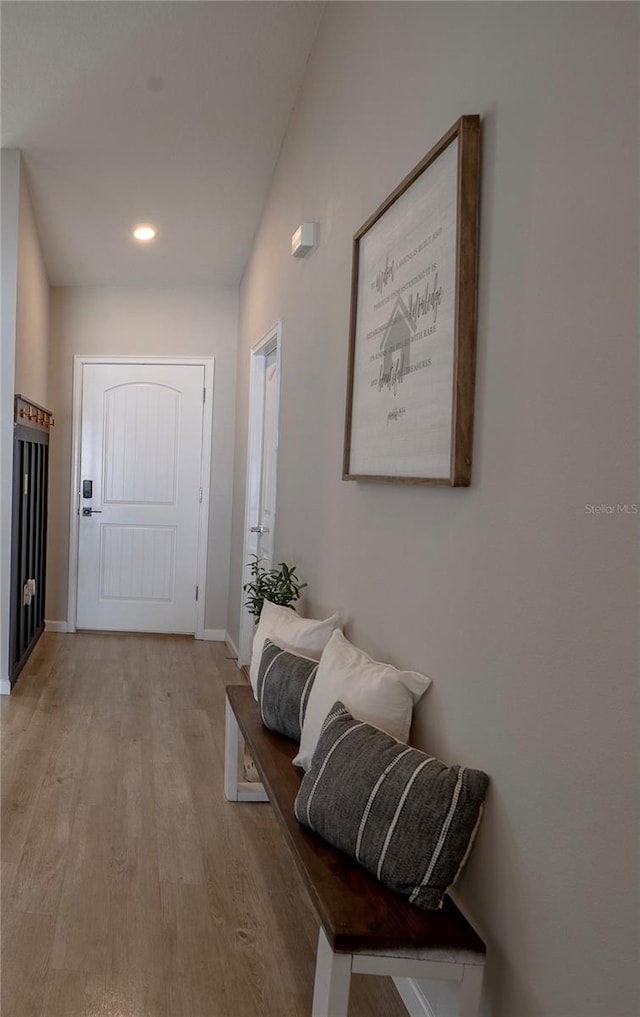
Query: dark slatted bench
column 364, row 927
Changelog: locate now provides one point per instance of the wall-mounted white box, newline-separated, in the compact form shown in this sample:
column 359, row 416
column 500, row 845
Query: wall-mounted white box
column 304, row 239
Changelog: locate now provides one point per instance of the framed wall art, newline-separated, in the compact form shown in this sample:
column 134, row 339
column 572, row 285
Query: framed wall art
column 412, row 339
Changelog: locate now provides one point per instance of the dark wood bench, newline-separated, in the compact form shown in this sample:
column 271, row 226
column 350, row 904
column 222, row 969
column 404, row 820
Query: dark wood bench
column 364, row 927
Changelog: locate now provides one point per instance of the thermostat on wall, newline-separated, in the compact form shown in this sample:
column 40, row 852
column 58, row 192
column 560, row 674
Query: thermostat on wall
column 304, row 239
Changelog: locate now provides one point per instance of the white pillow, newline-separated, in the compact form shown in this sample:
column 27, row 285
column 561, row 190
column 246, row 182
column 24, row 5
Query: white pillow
column 286, row 628
column 375, row 693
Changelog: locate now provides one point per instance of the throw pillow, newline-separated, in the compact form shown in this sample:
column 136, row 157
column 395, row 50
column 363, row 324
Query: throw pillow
column 405, row 816
column 375, row 692
column 284, row 684
column 289, row 630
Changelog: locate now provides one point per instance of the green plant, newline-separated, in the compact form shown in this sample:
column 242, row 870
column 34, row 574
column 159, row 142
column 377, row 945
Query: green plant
column 279, row 585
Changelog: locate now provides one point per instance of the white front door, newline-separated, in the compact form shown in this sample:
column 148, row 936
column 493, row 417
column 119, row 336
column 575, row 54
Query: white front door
column 139, row 504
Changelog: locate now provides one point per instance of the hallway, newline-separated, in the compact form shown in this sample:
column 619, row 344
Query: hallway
column 130, row 887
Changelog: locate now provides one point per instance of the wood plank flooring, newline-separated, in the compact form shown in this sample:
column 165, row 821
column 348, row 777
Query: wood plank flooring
column 130, row 886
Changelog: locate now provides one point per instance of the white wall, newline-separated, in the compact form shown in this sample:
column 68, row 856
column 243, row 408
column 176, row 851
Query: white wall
column 152, row 322
column 10, row 190
column 32, row 326
column 520, row 603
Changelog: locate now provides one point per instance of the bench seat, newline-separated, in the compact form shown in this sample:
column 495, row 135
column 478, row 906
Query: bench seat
column 365, row 927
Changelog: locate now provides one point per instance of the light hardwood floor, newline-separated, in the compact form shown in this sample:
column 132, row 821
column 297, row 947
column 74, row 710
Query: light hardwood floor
column 130, row 887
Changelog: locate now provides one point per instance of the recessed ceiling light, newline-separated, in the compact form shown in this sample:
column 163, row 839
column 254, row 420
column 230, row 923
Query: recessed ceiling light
column 144, row 232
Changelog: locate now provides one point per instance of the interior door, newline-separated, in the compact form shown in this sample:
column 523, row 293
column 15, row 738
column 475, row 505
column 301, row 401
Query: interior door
column 141, row 449
column 260, row 515
column 268, row 464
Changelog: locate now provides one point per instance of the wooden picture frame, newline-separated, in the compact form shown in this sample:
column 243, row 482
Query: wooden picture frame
column 412, row 341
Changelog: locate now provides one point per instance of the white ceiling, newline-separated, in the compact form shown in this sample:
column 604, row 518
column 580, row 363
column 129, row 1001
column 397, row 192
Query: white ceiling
column 172, row 112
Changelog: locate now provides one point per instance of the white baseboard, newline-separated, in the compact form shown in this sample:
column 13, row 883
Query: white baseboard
column 413, row 998
column 55, row 626
column 209, row 635
column 5, row 687
column 214, row 636
column 232, row 646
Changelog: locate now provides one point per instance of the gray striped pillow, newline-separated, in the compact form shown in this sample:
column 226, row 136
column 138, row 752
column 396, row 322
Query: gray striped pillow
column 405, row 816
column 284, row 684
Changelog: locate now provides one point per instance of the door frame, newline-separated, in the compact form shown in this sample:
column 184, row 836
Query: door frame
column 79, row 362
column 271, row 340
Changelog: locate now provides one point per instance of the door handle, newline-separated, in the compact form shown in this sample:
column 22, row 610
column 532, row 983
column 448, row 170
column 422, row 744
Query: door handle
column 259, row 529
column 91, row 512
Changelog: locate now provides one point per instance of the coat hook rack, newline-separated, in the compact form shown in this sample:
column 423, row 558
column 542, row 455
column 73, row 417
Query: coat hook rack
column 28, row 412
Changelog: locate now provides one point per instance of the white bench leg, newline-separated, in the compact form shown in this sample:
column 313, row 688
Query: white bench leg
column 235, row 789
column 231, row 754
column 333, row 981
column 471, row 990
